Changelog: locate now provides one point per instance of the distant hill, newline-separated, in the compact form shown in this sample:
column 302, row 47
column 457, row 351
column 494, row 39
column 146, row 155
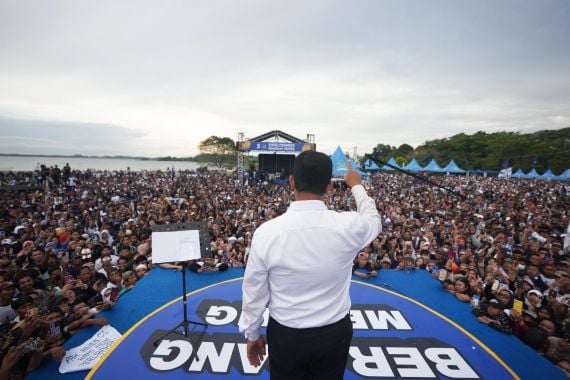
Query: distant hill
column 167, row 158
column 490, row 151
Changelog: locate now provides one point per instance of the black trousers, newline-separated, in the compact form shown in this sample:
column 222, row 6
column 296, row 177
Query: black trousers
column 314, row 353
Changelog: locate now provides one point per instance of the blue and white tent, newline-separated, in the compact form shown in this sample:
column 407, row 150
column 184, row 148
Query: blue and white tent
column 433, row 166
column 453, row 168
column 339, row 162
column 413, row 166
column 533, row 174
column 370, row 165
column 564, row 176
column 392, row 162
column 547, row 175
column 519, row 174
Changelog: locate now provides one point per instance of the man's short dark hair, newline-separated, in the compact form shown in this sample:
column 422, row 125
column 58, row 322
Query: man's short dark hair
column 312, row 172
column 19, row 302
column 535, row 337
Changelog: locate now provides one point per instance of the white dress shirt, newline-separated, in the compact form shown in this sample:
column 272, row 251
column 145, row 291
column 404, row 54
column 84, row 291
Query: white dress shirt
column 300, row 264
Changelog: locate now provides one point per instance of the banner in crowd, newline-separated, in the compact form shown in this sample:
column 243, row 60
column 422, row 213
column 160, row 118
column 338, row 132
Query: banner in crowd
column 85, row 356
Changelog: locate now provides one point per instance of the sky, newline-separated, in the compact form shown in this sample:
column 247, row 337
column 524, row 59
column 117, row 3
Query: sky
column 154, row 78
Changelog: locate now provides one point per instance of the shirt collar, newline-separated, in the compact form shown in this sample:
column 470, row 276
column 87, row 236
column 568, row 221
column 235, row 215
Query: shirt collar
column 307, row 205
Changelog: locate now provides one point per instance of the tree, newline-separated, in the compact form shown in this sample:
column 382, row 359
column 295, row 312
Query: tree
column 405, row 150
column 220, row 151
column 401, row 161
column 383, row 150
column 488, row 151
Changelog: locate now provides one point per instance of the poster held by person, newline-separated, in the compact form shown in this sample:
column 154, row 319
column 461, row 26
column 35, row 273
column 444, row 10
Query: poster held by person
column 300, row 267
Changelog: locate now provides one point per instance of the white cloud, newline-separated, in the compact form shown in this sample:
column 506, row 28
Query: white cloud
column 159, row 78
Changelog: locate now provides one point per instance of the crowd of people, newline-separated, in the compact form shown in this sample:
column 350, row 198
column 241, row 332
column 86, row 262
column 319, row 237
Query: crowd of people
column 73, row 242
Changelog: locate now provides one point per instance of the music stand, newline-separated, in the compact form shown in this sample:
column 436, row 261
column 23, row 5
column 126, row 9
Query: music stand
column 181, row 242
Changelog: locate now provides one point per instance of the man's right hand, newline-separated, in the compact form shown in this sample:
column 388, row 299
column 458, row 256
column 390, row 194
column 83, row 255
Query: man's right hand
column 352, row 177
column 256, row 351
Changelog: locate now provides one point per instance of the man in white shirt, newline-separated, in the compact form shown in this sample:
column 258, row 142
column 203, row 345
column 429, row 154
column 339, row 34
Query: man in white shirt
column 309, row 329
column 106, row 252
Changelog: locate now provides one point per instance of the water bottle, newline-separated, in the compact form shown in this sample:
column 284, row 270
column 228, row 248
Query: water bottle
column 408, row 265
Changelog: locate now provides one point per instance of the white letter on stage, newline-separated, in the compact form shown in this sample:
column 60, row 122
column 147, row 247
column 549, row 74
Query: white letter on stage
column 215, row 315
column 450, row 364
column 379, row 366
column 164, row 349
column 218, row 361
column 358, row 321
column 416, row 366
column 380, row 321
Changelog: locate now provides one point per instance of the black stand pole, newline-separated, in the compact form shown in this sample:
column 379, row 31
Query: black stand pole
column 417, row 176
column 185, row 322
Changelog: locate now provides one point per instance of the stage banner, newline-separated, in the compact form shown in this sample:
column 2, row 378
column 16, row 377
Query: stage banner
column 394, row 337
column 267, row 146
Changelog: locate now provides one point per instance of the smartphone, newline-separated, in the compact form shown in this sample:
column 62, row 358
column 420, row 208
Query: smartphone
column 30, row 345
column 442, row 274
column 69, row 278
column 518, row 306
column 475, row 300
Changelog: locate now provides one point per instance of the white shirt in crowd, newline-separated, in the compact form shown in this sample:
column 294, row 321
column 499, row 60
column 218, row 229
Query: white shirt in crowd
column 300, row 263
column 99, row 263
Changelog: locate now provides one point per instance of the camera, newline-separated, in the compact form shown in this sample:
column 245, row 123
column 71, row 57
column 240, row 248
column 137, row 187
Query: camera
column 31, row 344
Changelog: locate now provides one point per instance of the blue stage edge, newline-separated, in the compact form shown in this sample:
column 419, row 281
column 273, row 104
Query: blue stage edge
column 405, row 325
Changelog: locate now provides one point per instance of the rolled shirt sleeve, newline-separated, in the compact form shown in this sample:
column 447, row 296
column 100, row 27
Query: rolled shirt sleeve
column 370, row 223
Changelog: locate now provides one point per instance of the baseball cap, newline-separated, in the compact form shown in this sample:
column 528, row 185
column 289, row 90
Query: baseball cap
column 530, row 313
column 127, row 274
column 6, row 284
column 496, row 304
column 518, row 247
column 6, row 241
column 535, row 292
column 141, row 266
column 561, row 273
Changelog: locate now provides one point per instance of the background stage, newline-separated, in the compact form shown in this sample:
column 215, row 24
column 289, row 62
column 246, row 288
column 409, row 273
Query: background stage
column 161, row 287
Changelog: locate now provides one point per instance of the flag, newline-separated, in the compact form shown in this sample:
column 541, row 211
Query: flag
column 505, row 164
column 506, row 173
column 567, row 239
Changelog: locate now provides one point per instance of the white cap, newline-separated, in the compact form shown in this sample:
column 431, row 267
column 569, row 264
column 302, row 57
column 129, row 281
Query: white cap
column 141, row 266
